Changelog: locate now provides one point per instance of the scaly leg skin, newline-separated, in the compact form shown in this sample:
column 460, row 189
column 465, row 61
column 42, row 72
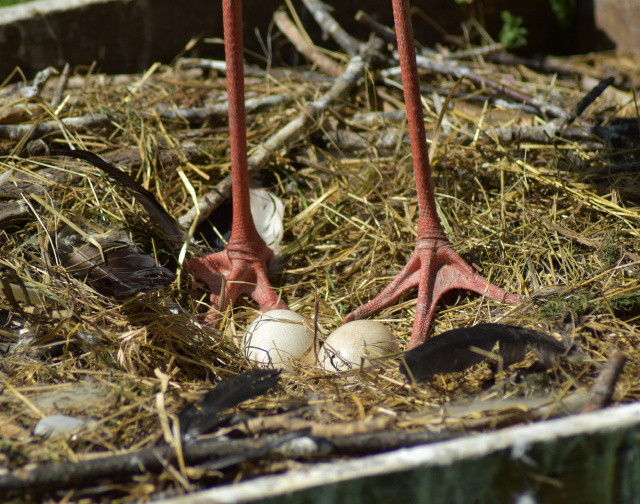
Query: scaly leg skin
column 434, row 267
column 243, row 263
column 244, row 271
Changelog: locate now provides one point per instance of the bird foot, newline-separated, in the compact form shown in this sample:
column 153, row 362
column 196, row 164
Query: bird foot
column 238, row 269
column 434, row 268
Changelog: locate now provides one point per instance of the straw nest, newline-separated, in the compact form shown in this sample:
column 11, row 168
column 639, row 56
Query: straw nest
column 554, row 218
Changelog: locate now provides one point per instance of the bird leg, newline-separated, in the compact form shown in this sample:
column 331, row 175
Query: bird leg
column 241, row 267
column 434, row 267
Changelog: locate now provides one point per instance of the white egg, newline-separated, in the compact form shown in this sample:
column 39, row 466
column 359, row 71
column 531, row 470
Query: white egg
column 278, row 337
column 349, row 344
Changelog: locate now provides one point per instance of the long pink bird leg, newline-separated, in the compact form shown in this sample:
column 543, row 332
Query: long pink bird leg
column 434, row 267
column 243, row 262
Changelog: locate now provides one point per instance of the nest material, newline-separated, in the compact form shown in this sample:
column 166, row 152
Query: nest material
column 554, row 218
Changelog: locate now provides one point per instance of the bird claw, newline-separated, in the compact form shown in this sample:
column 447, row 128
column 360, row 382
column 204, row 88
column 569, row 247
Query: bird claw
column 434, row 268
column 231, row 273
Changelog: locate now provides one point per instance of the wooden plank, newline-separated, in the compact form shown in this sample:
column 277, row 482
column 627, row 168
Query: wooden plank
column 593, row 457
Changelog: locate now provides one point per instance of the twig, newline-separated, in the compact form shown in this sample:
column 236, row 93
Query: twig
column 543, row 133
column 219, row 66
column 39, row 81
column 74, row 475
column 383, row 31
column 62, row 84
column 289, row 134
column 19, row 131
column 199, row 115
column 589, row 98
column 558, row 127
column 249, row 70
column 309, row 51
column 385, row 140
column 460, row 71
column 548, row 64
column 602, row 389
column 476, row 51
column 329, row 25
column 288, row 423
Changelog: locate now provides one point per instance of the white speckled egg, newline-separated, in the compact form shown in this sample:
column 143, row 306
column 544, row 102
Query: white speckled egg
column 277, row 337
column 349, row 344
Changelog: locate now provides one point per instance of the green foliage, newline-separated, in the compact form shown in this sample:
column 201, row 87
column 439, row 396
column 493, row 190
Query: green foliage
column 512, row 34
column 626, row 304
column 565, row 12
column 608, row 252
column 554, row 308
column 7, row 3
column 559, row 307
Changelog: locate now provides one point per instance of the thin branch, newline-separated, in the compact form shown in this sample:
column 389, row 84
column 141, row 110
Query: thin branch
column 199, row 115
column 309, row 51
column 61, row 86
column 86, row 122
column 330, row 26
column 602, row 389
column 75, row 475
column 383, row 31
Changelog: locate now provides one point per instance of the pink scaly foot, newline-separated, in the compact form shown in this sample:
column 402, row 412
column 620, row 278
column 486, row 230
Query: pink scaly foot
column 243, row 263
column 434, row 267
column 243, row 266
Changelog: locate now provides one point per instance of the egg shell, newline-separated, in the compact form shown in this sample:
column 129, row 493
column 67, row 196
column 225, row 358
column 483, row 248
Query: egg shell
column 278, row 337
column 350, row 343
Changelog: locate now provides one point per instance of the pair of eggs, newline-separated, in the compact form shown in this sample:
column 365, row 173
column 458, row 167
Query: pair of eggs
column 279, row 337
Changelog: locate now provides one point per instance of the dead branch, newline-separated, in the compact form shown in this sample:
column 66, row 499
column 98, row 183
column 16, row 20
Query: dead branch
column 79, row 474
column 86, row 122
column 381, row 30
column 309, row 51
column 460, row 71
column 199, row 115
column 602, row 389
column 288, row 423
column 331, row 27
column 219, row 66
column 38, row 83
column 61, row 86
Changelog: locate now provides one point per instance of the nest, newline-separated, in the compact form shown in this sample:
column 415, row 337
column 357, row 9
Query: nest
column 537, row 194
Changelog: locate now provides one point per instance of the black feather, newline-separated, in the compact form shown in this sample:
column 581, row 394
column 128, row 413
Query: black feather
column 118, row 270
column 457, row 350
column 204, row 414
column 164, row 223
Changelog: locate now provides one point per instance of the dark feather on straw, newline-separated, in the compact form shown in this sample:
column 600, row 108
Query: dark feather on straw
column 459, row 349
column 204, row 414
column 163, row 222
column 118, row 269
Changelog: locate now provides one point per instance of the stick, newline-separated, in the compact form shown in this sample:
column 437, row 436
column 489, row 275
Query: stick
column 78, row 474
column 602, row 389
column 19, row 131
column 199, row 115
column 383, row 31
column 460, row 71
column 309, row 51
column 62, row 84
column 329, row 25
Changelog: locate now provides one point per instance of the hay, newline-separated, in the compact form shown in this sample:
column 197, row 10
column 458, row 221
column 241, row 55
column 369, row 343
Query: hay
column 543, row 218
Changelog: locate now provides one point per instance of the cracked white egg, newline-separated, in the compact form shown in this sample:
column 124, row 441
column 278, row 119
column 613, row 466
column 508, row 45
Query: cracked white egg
column 277, row 338
column 354, row 343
